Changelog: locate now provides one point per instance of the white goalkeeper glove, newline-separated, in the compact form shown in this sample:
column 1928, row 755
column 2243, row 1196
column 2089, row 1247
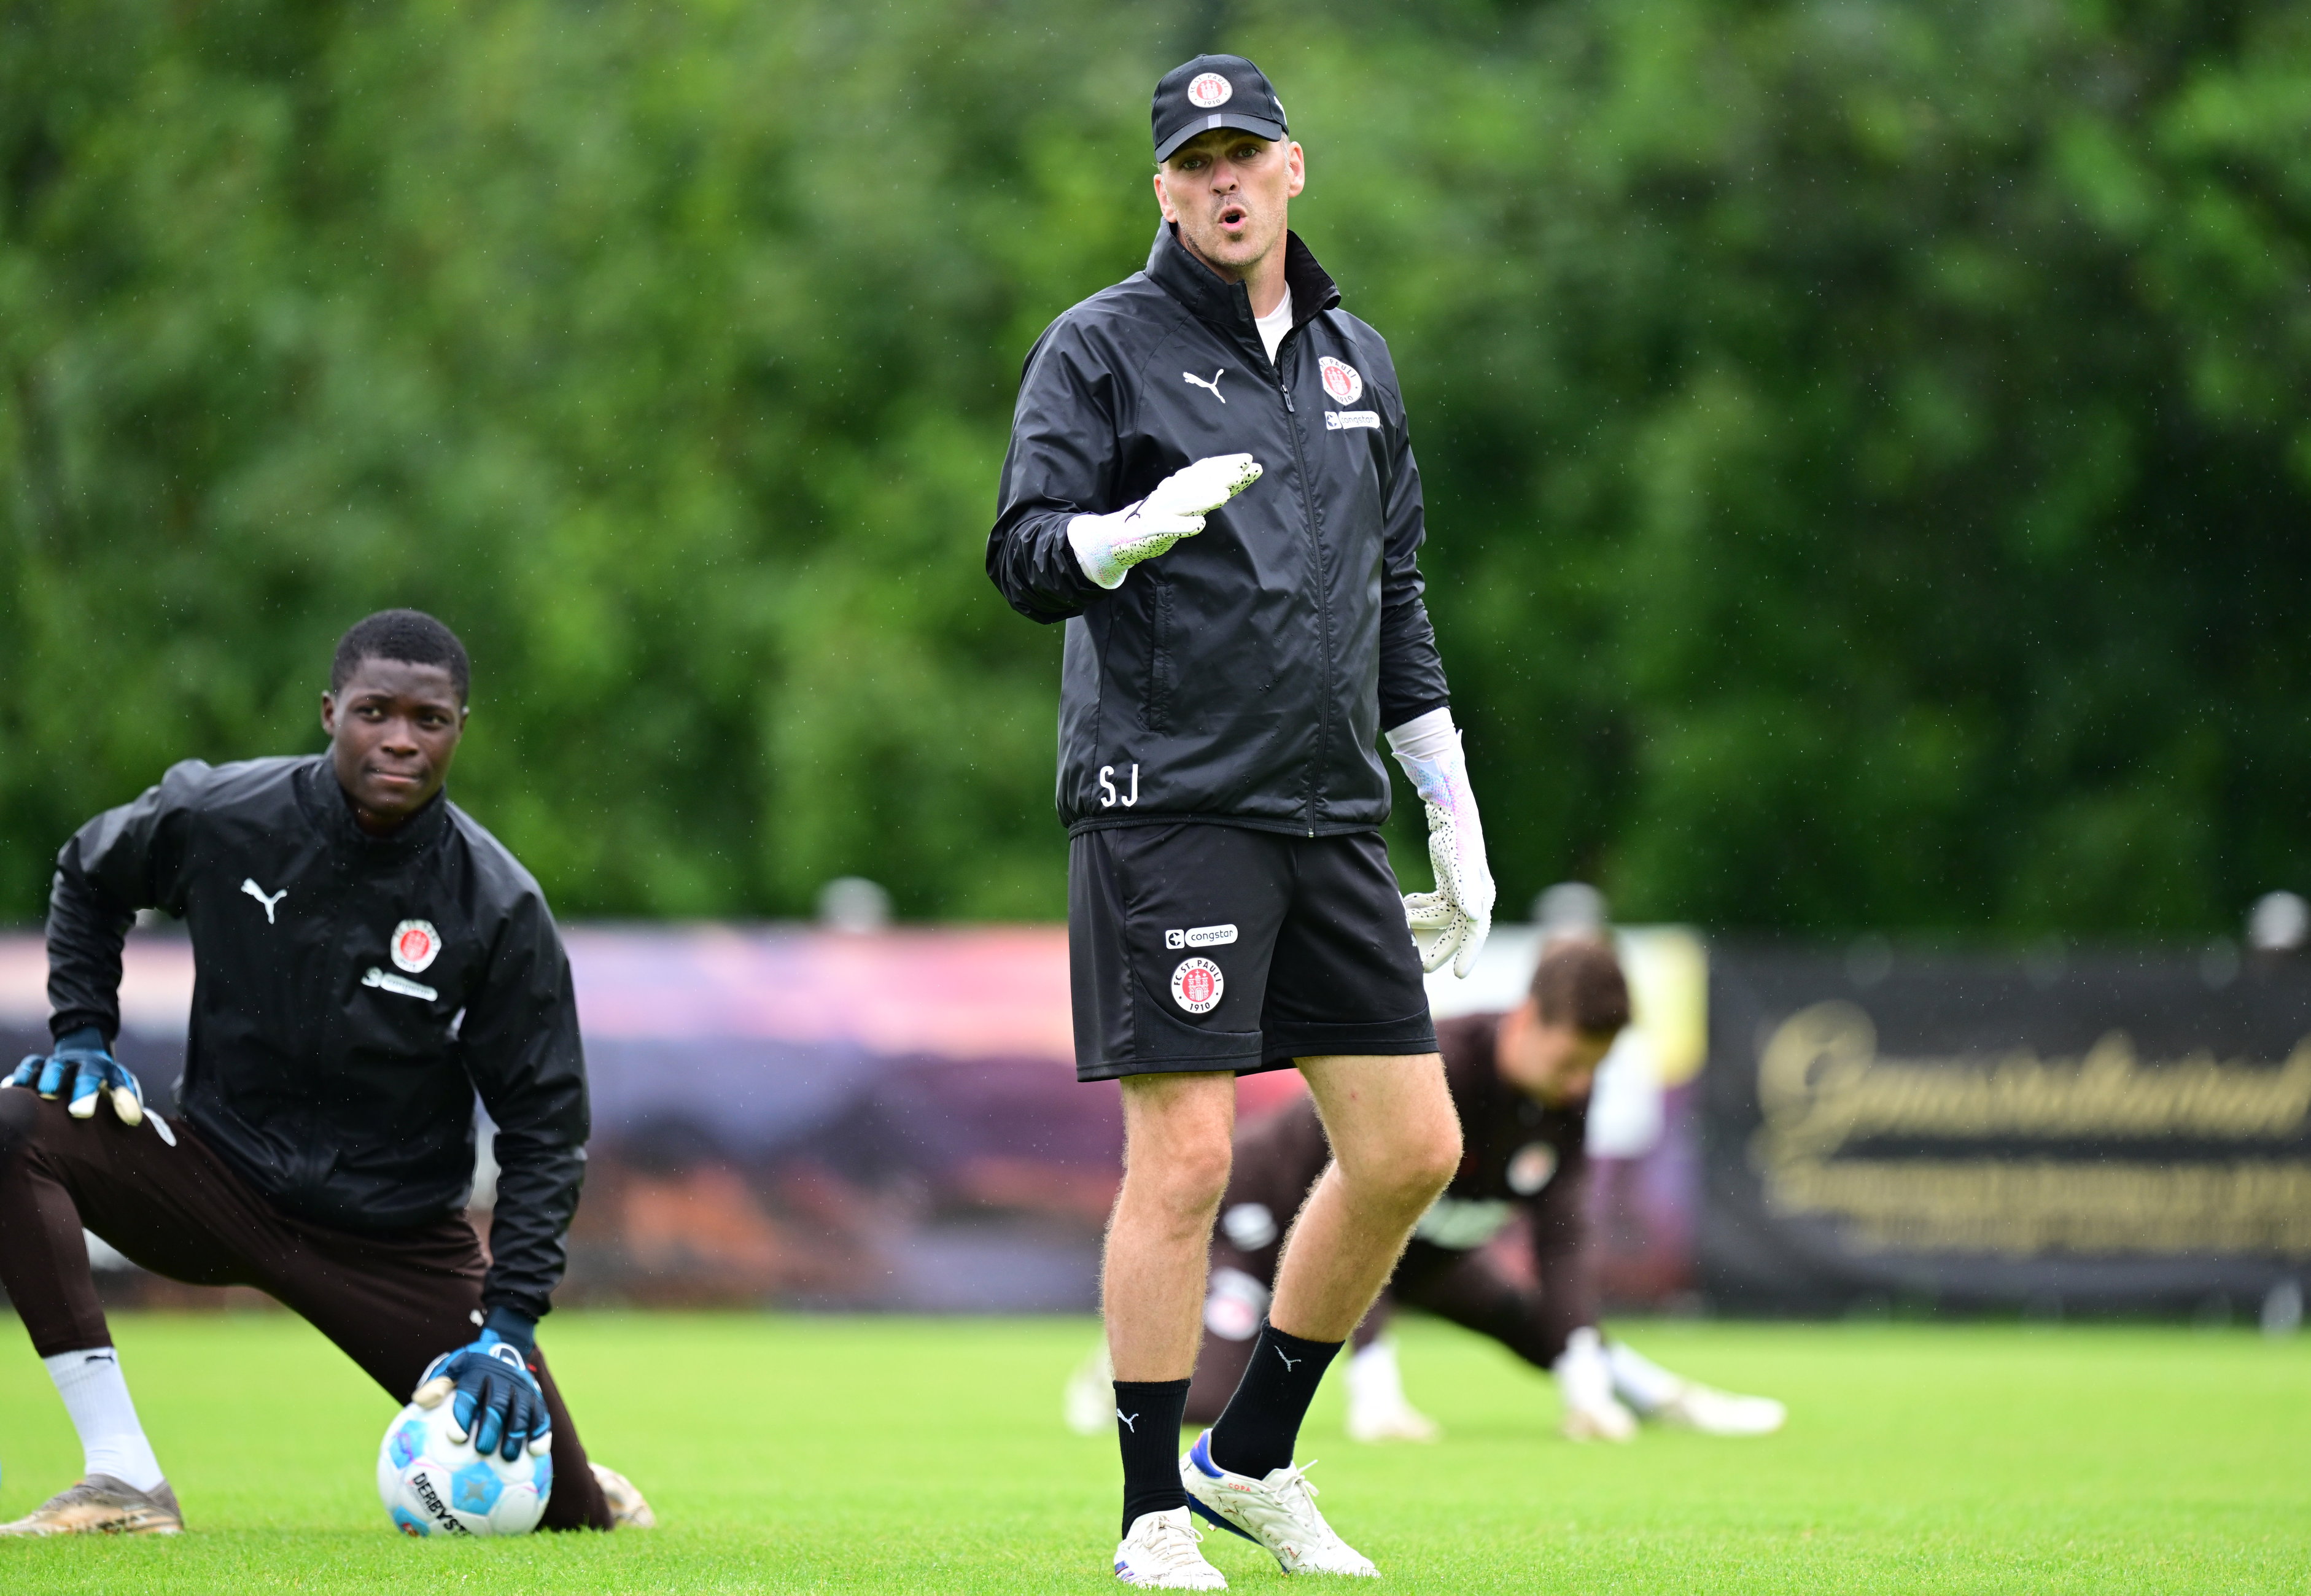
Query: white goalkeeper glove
column 1453, row 921
column 1107, row 547
column 1584, row 1385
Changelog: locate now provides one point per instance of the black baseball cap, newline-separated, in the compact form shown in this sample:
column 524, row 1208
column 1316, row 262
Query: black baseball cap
column 1214, row 92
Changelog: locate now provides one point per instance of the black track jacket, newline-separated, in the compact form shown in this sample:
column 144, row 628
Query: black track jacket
column 328, row 1061
column 1246, row 674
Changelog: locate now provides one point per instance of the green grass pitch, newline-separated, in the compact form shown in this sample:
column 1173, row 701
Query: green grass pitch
column 793, row 1453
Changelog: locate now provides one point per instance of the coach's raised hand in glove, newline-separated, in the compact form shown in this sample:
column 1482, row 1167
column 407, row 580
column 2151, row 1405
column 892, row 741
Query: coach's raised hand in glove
column 83, row 1058
column 1107, row 547
column 499, row 1404
column 1453, row 921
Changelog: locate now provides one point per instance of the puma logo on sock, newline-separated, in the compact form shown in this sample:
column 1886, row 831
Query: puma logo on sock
column 1289, row 1363
column 1130, row 1420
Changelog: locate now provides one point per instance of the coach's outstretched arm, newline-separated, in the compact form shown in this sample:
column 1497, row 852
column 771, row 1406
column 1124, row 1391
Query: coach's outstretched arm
column 1061, row 464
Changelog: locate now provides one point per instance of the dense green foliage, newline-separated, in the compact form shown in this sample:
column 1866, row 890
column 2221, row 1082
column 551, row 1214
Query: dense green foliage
column 830, row 1455
column 1866, row 442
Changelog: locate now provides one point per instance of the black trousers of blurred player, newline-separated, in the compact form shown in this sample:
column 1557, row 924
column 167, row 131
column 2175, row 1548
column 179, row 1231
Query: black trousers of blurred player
column 392, row 1302
column 1276, row 1160
column 1464, row 1287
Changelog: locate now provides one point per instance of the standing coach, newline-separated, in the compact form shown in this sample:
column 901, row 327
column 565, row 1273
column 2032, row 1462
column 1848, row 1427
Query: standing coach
column 1230, row 904
column 366, row 960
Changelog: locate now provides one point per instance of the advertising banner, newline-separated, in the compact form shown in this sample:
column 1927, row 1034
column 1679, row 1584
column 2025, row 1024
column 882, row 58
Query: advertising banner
column 809, row 1117
column 2087, row 1134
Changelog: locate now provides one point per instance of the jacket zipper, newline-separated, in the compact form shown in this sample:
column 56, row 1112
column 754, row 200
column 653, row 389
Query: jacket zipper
column 1324, row 588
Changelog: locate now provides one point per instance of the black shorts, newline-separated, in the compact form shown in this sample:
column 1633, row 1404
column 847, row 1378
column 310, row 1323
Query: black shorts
column 1202, row 947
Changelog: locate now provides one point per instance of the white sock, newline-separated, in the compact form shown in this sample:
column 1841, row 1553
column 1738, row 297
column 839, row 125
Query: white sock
column 1638, row 1380
column 1374, row 1380
column 111, row 1440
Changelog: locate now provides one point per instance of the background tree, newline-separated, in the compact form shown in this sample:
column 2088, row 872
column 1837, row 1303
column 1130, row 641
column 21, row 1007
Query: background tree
column 1865, row 442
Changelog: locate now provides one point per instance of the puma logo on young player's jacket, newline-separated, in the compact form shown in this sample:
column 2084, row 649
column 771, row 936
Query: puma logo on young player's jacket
column 1214, row 384
column 248, row 885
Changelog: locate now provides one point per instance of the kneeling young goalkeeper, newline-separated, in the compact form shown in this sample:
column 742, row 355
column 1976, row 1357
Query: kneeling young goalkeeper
column 366, row 960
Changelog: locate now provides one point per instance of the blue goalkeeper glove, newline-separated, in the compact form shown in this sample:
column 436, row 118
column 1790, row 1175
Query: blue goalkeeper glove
column 499, row 1404
column 83, row 1058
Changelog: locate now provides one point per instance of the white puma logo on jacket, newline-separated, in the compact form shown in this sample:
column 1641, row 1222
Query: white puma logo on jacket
column 248, row 885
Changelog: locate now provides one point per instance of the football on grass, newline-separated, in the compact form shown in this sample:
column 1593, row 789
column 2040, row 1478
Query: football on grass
column 433, row 1485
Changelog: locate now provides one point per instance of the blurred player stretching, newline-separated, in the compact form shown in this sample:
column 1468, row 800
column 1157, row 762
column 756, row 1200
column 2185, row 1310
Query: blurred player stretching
column 1521, row 1081
column 1231, row 907
column 366, row 960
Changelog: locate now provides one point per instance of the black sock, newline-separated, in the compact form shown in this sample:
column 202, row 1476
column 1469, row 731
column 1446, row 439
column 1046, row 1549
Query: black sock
column 1255, row 1433
column 1147, row 1428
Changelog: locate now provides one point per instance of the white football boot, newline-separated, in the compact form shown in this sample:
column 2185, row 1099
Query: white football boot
column 1606, row 1420
column 1161, row 1553
column 1716, row 1412
column 628, row 1510
column 1378, row 1408
column 1672, row 1398
column 1279, row 1512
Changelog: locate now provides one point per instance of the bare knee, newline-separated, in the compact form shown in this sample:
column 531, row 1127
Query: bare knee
column 1177, row 1148
column 1406, row 1168
column 1181, row 1184
column 1426, row 1160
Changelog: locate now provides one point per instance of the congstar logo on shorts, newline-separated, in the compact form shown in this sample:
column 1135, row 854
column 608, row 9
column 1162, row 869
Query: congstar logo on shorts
column 1200, row 936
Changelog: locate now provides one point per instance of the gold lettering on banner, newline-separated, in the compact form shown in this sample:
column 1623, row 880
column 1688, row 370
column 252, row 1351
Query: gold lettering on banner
column 1823, row 1085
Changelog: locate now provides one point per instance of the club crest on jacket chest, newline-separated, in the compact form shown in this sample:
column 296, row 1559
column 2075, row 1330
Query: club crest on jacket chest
column 1342, row 381
column 1531, row 1167
column 416, row 945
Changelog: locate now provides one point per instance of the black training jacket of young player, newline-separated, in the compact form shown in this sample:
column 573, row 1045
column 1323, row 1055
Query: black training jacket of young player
column 1246, row 674
column 337, row 1078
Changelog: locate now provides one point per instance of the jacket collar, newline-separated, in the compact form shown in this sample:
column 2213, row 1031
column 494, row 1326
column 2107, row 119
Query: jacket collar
column 332, row 812
column 1227, row 306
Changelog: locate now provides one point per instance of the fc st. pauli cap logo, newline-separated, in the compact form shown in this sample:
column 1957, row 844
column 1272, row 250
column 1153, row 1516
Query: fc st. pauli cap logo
column 1214, row 92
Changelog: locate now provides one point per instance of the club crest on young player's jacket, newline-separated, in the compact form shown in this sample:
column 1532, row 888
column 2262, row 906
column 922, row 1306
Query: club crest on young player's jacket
column 416, row 945
column 1532, row 1168
column 1197, row 985
column 1342, row 381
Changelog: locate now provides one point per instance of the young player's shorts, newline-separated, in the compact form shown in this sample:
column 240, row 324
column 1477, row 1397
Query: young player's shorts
column 1198, row 946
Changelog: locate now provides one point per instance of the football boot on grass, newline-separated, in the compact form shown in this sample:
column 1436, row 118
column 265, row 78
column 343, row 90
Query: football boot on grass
column 103, row 1506
column 1279, row 1512
column 628, row 1510
column 1162, row 1553
column 1714, row 1412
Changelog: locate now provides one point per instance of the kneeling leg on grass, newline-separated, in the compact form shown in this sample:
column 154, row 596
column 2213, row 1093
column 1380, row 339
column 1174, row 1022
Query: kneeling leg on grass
column 156, row 1192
